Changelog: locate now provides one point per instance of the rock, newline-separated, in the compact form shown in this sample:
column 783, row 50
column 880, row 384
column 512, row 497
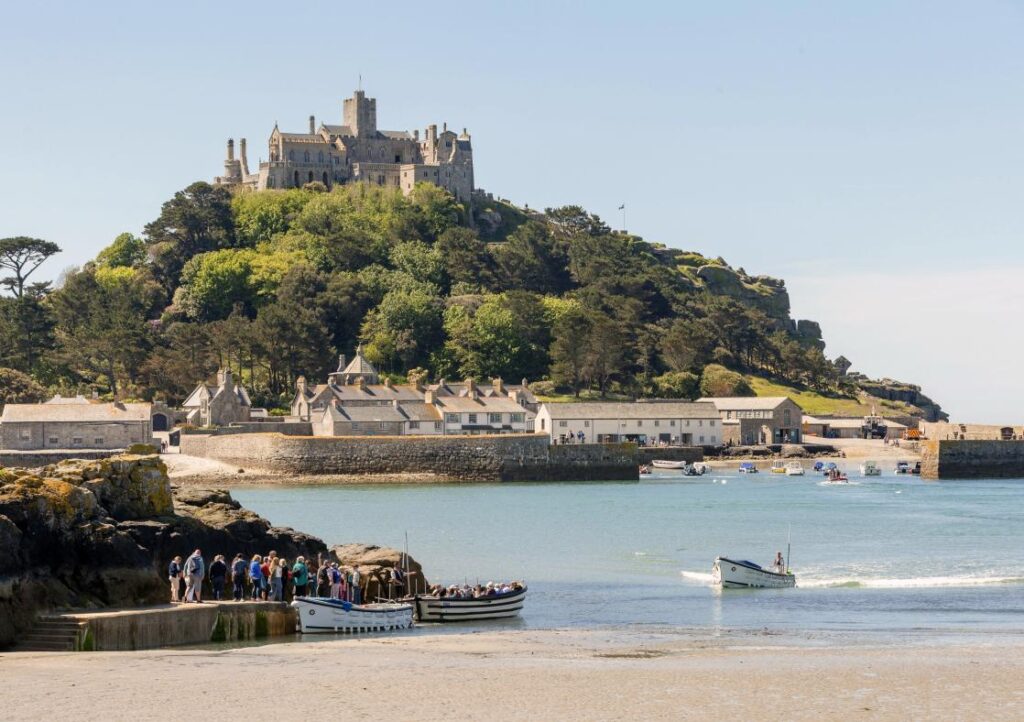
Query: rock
column 792, row 451
column 374, row 562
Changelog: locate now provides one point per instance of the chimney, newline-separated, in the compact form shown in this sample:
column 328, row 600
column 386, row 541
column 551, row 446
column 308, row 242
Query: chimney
column 445, row 128
column 361, row 383
column 312, row 125
column 231, row 148
column 243, row 156
column 499, row 386
column 387, row 383
column 416, row 134
column 341, row 362
column 300, row 384
column 471, row 388
column 429, row 397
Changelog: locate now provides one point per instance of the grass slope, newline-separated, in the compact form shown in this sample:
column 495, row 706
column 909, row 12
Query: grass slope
column 814, row 403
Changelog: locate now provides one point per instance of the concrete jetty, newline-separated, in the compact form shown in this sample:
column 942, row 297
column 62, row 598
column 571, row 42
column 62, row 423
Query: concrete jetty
column 168, row 625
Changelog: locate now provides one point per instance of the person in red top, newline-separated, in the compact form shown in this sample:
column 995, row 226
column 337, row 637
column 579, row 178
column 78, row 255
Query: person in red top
column 265, row 568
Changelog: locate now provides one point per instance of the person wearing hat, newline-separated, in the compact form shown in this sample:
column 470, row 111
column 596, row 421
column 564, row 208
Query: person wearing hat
column 174, row 575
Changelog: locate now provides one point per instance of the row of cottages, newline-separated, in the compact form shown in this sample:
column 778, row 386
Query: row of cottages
column 676, row 423
column 356, row 402
column 754, row 420
column 220, row 404
column 75, row 423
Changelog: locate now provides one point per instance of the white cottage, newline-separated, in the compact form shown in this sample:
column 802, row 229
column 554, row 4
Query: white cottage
column 681, row 423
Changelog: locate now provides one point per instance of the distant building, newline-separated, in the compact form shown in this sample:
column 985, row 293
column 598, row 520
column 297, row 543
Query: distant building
column 75, row 425
column 357, row 152
column 355, row 401
column 683, row 423
column 750, row 420
column 861, row 427
column 219, row 404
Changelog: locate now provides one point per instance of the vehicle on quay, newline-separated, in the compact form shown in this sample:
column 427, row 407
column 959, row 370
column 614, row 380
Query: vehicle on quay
column 434, row 608
column 326, row 616
column 870, row 468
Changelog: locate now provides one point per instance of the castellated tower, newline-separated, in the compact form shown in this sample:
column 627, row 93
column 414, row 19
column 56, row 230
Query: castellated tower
column 360, row 114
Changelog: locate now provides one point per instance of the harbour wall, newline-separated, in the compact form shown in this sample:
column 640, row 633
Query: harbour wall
column 689, row 454
column 153, row 628
column 42, row 457
column 505, row 457
column 963, row 459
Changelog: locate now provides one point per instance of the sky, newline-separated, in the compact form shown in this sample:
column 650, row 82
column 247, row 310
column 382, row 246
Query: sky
column 868, row 153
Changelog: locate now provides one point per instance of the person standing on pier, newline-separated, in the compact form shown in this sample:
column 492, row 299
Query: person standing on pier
column 238, row 577
column 195, row 570
column 300, row 575
column 174, row 575
column 218, row 575
column 256, row 576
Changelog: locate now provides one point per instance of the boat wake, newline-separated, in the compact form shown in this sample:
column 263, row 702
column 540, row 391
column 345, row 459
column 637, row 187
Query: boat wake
column 912, row 583
column 699, row 577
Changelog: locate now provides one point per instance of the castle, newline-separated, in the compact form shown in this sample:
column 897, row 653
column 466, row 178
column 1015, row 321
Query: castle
column 357, row 152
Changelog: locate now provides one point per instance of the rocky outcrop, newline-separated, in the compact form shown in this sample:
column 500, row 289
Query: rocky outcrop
column 910, row 394
column 374, row 564
column 762, row 292
column 97, row 533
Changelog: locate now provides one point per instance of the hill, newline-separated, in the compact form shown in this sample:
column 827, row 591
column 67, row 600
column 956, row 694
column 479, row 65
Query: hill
column 275, row 284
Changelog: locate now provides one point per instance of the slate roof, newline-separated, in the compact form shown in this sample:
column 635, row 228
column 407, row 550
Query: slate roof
column 82, row 413
column 481, row 404
column 633, row 410
column 745, row 403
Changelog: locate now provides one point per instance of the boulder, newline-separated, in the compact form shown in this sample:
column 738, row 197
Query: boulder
column 374, row 563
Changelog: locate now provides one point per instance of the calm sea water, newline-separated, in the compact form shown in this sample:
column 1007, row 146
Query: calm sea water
column 883, row 556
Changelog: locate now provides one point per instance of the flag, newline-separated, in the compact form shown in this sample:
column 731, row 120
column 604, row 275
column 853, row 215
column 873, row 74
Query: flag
column 622, row 207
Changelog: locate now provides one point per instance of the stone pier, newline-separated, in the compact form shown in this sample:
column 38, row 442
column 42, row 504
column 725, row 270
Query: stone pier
column 972, row 459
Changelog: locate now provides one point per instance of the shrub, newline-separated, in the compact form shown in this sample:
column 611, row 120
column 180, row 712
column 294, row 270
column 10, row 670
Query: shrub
column 720, row 381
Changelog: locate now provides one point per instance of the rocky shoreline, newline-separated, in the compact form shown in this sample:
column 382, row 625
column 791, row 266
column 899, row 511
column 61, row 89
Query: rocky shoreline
column 94, row 534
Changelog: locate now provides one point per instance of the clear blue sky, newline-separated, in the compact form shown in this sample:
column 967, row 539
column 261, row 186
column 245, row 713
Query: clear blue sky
column 869, row 153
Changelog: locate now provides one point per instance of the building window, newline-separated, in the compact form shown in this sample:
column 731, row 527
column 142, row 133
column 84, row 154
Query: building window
column 672, row 422
column 383, row 426
column 714, row 439
column 305, row 156
column 494, row 418
column 563, row 424
column 543, row 423
column 291, row 155
column 53, row 441
column 711, row 422
column 586, row 423
column 98, row 441
column 451, row 418
column 657, row 422
column 437, row 426
column 26, row 435
column 414, row 424
column 320, row 157
column 687, row 422
column 702, row 439
column 700, row 422
column 472, row 418
column 787, row 419
column 76, row 440
column 518, row 418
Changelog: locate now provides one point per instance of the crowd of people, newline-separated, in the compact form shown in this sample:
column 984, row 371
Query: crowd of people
column 479, row 591
column 267, row 578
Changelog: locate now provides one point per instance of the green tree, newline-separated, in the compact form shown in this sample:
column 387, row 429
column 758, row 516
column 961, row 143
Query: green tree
column 532, row 260
column 421, row 262
column 126, row 251
column 466, row 258
column 22, row 256
column 436, row 210
column 719, row 381
column 401, row 332
column 260, row 217
column 213, row 283
column 569, row 349
column 196, row 220
column 19, row 388
column 677, row 385
column 26, row 331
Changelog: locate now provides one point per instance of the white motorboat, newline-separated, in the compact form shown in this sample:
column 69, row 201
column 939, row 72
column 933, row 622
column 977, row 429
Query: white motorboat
column 742, row 574
column 902, row 467
column 794, row 468
column 778, row 467
column 665, row 464
column 701, row 468
column 453, row 609
column 870, row 468
column 319, row 614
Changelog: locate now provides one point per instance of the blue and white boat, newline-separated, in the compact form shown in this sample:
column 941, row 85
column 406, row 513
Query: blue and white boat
column 323, row 615
column 748, row 467
column 742, row 574
column 472, row 609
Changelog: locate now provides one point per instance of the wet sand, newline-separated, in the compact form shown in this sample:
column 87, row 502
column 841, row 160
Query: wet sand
column 527, row 675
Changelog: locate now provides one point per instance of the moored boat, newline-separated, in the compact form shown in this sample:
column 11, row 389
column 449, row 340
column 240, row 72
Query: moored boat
column 645, row 470
column 778, row 467
column 324, row 615
column 665, row 464
column 794, row 468
column 748, row 467
column 701, row 468
column 902, row 467
column 473, row 609
column 870, row 468
column 743, row 574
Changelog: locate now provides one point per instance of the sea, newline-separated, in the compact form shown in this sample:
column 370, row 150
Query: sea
column 881, row 559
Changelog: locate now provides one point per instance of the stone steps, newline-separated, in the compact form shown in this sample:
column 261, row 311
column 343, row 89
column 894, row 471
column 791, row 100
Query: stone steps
column 52, row 634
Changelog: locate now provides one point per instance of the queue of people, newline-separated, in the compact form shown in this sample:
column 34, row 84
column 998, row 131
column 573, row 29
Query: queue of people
column 261, row 578
column 479, row 591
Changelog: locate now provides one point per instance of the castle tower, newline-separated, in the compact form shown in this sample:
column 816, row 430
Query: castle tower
column 243, row 157
column 232, row 168
column 360, row 114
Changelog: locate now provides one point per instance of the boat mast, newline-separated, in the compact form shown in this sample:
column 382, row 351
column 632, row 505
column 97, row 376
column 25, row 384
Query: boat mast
column 789, row 548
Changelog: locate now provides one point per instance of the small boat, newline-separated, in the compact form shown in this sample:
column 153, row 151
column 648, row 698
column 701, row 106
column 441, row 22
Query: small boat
column 645, row 470
column 701, row 468
column 778, row 467
column 917, row 469
column 324, row 615
column 835, row 476
column 453, row 609
column 742, row 574
column 819, row 465
column 748, row 467
column 794, row 468
column 902, row 467
column 665, row 464
column 828, row 468
column 870, row 468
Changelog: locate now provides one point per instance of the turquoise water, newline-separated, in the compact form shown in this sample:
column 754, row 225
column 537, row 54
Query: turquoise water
column 880, row 556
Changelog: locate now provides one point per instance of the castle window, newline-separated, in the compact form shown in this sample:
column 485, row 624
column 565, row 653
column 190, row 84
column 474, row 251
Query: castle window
column 295, row 177
column 291, row 155
column 320, row 157
column 398, row 159
column 306, row 156
column 311, row 176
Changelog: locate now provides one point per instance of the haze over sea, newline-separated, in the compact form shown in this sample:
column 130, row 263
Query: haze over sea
column 885, row 559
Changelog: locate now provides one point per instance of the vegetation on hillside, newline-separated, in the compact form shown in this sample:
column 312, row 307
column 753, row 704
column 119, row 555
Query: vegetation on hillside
column 275, row 284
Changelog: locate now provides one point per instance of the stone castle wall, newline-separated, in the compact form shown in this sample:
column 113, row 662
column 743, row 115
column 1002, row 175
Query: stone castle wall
column 505, row 457
column 981, row 459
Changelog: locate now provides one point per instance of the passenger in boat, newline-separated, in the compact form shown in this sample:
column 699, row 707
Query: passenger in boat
column 278, row 576
column 323, row 581
column 779, row 563
column 335, row 579
column 355, row 586
column 265, row 582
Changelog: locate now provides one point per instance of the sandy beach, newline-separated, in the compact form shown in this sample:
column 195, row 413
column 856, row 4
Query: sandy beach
column 529, row 675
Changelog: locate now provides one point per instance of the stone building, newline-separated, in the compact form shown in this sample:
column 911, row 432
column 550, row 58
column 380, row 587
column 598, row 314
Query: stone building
column 218, row 404
column 355, row 401
column 750, row 420
column 357, row 151
column 75, row 425
column 681, row 423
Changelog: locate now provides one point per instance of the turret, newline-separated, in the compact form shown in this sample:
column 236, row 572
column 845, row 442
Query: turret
column 243, row 157
column 312, row 125
column 360, row 114
column 232, row 168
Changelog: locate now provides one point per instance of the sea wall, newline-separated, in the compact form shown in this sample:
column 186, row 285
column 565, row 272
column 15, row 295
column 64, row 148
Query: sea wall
column 42, row 457
column 185, row 624
column 689, row 454
column 942, row 459
column 505, row 457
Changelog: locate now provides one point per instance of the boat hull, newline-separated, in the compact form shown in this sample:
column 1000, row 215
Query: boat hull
column 663, row 464
column 438, row 609
column 734, row 574
column 329, row 616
